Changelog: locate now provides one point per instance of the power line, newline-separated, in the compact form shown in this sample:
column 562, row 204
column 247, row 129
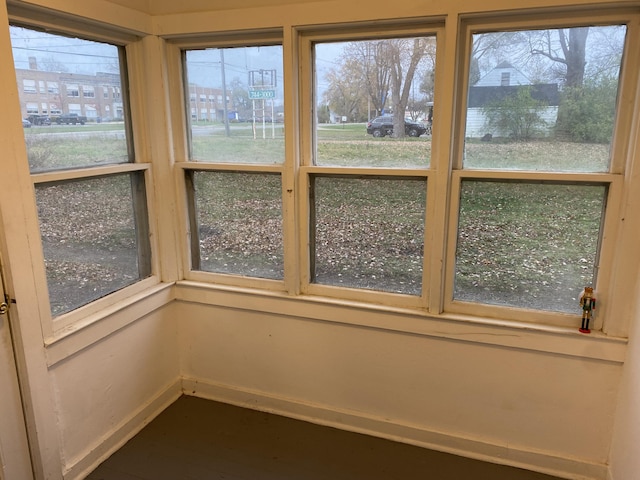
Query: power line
column 66, row 53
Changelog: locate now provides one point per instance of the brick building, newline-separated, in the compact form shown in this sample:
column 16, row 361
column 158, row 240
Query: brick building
column 98, row 97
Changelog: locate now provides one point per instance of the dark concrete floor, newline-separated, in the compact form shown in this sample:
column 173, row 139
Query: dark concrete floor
column 196, row 439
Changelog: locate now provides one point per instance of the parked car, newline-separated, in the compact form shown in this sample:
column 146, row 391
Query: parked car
column 381, row 126
column 26, row 123
column 71, row 119
column 39, row 119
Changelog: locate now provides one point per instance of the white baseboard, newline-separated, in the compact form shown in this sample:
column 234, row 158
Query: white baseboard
column 542, row 462
column 79, row 467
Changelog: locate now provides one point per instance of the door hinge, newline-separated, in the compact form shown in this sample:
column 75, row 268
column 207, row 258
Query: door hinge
column 4, row 306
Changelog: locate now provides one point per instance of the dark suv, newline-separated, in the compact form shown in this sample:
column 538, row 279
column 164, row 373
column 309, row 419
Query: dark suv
column 39, row 120
column 381, row 126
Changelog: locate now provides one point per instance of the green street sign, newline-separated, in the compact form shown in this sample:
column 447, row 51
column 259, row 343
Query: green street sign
column 261, row 94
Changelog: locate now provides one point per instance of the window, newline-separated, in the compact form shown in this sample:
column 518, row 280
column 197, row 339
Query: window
column 236, row 201
column 368, row 233
column 74, row 108
column 537, row 168
column 368, row 172
column 52, row 88
column 507, row 209
column 32, row 108
column 73, row 90
column 29, row 86
column 90, row 195
column 88, row 91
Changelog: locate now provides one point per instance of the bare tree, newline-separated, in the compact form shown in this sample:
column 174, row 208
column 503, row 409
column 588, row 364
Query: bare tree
column 346, row 93
column 373, row 69
column 570, row 53
column 52, row 64
column 404, row 57
column 376, row 71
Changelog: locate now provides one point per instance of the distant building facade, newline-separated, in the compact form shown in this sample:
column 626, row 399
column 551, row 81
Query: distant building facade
column 207, row 104
column 503, row 81
column 97, row 97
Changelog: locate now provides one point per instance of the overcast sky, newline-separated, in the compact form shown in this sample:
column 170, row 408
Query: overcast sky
column 74, row 55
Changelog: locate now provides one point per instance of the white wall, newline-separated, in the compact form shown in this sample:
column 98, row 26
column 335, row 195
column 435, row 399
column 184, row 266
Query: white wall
column 105, row 392
column 541, row 399
column 544, row 411
column 625, row 461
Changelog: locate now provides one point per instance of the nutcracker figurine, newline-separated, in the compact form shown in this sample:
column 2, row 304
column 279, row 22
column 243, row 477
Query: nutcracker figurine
column 588, row 305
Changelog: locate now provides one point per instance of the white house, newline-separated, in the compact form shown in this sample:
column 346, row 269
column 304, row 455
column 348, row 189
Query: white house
column 502, row 81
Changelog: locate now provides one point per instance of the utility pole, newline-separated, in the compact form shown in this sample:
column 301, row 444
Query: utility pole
column 224, row 96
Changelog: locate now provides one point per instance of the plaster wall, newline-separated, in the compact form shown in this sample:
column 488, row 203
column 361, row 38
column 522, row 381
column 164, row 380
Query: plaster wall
column 625, row 462
column 542, row 408
column 106, row 392
column 547, row 412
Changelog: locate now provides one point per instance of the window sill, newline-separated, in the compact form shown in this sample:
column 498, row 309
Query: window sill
column 510, row 334
column 93, row 328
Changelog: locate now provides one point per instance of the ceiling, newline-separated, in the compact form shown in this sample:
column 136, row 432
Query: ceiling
column 168, row 7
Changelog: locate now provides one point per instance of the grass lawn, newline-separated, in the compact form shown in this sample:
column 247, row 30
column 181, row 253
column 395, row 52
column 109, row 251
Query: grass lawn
column 528, row 245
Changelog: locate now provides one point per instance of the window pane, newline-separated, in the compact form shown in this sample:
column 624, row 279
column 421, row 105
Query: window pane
column 527, row 245
column 239, row 223
column 374, row 102
column 90, row 238
column 543, row 99
column 77, row 131
column 369, row 233
column 241, row 122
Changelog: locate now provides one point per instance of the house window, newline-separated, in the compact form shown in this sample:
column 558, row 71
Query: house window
column 88, row 91
column 237, row 215
column 89, row 192
column 505, row 79
column 537, row 167
column 52, row 88
column 32, row 108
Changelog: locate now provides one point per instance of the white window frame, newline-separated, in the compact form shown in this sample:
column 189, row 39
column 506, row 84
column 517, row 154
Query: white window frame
column 614, row 178
column 307, row 169
column 181, row 111
column 444, row 174
column 54, row 328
